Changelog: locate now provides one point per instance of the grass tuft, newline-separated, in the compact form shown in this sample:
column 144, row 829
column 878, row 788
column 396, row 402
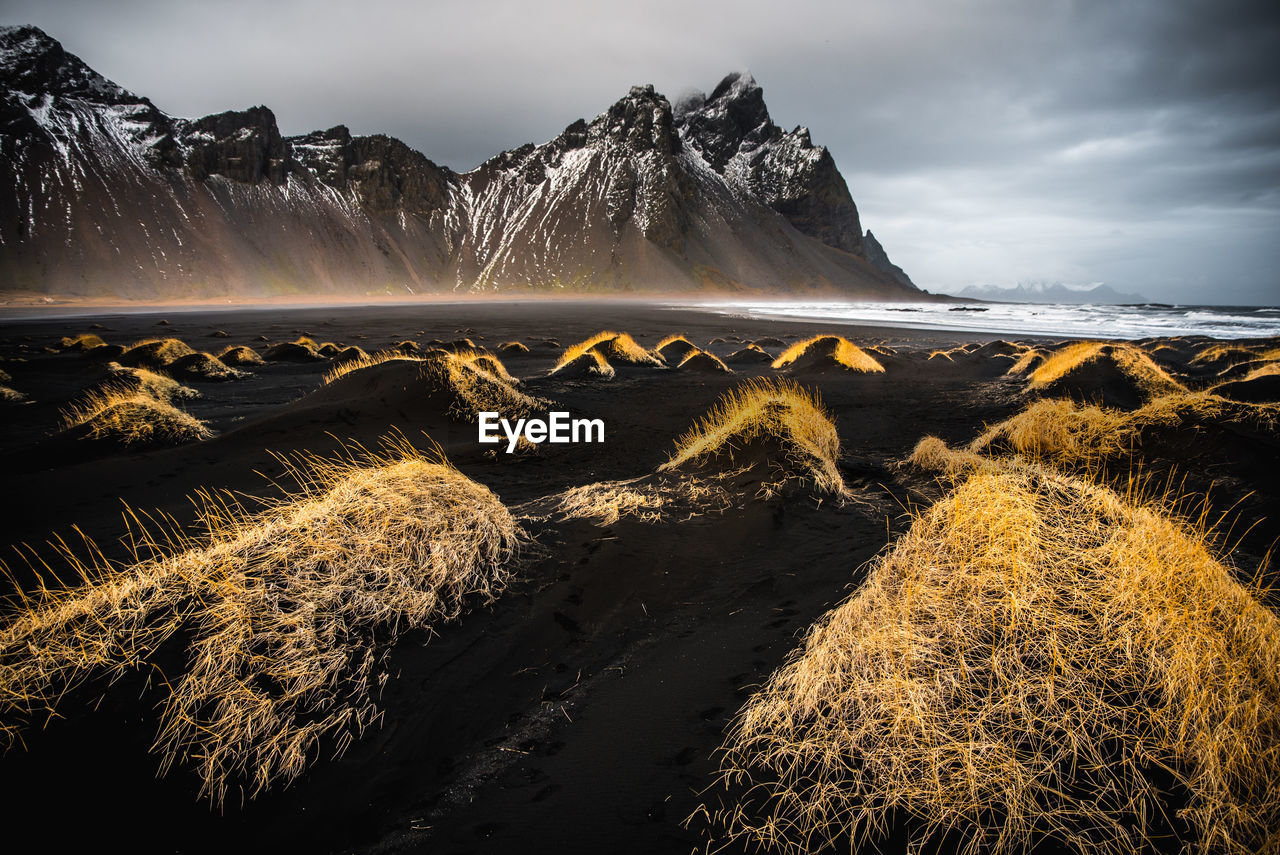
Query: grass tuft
column 288, row 612
column 767, row 412
column 646, row 499
column 703, row 360
column 1219, row 352
column 155, row 352
column 1132, row 361
column 1080, row 436
column 824, row 348
column 152, row 384
column 589, row 363
column 240, row 355
column 133, row 419
column 364, row 360
column 84, row 341
column 1036, row 661
column 205, row 367
column 613, row 347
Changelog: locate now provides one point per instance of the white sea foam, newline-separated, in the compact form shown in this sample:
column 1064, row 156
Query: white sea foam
column 1068, row 321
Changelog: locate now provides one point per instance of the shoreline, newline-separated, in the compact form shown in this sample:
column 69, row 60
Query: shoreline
column 974, row 318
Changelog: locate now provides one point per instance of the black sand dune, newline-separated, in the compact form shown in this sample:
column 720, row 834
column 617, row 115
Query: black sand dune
column 1263, row 388
column 580, row 712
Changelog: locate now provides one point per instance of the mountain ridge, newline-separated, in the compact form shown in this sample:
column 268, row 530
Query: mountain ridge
column 110, row 195
column 1051, row 292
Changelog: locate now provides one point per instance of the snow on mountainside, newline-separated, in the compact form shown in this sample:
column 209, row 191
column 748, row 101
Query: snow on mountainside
column 108, row 195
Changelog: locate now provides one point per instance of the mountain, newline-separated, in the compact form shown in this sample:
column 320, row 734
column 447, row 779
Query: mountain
column 880, row 259
column 1050, row 292
column 108, row 195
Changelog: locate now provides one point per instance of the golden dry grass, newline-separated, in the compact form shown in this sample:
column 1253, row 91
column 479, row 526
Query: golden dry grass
column 155, row 352
column 1149, row 377
column 590, row 362
column 1036, row 661
column 1218, row 352
column 672, row 339
column 11, row 396
column 287, row 613
column 1026, row 362
column 240, row 355
column 162, row 387
column 84, row 341
column 132, row 418
column 674, row 348
column 614, row 347
column 573, row 351
column 704, row 360
column 479, row 382
column 933, row 455
column 844, row 352
column 365, row 360
column 303, row 349
column 201, row 366
column 622, row 349
column 646, row 499
column 476, row 381
column 752, row 353
column 767, row 412
column 1263, row 371
column 1080, row 436
column 350, row 352
column 486, row 362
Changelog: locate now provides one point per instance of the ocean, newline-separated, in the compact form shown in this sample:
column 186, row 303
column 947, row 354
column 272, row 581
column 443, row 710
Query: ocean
column 1013, row 319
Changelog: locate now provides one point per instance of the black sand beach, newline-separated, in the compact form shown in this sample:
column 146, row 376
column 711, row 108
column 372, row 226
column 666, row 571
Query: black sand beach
column 582, row 710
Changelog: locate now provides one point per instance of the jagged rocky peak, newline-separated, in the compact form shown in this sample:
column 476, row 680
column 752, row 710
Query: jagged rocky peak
column 33, row 63
column 243, row 145
column 732, row 118
column 732, row 131
column 40, row 83
column 642, row 121
column 708, row 193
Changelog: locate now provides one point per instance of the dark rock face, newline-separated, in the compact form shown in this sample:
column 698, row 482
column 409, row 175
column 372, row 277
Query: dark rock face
column 326, row 154
column 880, row 259
column 108, row 195
column 386, row 174
column 242, row 145
column 732, row 131
column 37, row 75
column 36, row 64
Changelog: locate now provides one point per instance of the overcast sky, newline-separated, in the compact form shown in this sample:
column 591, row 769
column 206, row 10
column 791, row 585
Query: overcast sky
column 985, row 141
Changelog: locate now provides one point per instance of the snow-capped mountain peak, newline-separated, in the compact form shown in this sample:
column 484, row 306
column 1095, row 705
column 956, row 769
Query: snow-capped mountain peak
column 110, row 195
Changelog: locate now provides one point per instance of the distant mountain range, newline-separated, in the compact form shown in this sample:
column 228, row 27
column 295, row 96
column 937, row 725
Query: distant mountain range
column 105, row 194
column 1049, row 292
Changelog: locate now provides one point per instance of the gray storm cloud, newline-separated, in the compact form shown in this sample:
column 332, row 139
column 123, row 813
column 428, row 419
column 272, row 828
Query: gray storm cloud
column 985, row 141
